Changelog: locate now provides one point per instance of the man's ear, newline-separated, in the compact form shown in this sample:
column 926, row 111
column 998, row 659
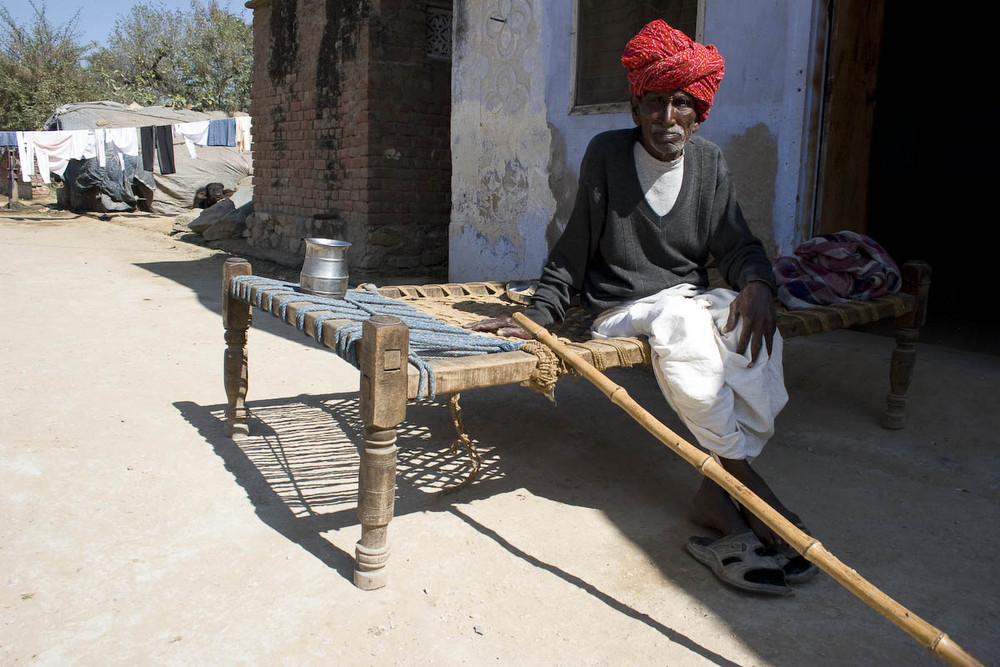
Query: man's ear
column 694, row 127
column 635, row 110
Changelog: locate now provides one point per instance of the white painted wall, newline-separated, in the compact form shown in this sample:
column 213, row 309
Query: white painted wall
column 501, row 202
column 760, row 120
column 766, row 44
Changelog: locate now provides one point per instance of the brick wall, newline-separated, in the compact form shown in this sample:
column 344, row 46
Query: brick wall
column 351, row 134
column 35, row 190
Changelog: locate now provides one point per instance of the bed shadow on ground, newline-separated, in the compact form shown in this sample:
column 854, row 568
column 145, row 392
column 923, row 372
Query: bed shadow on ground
column 299, row 470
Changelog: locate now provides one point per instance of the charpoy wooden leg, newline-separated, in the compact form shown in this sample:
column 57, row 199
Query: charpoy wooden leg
column 236, row 320
column 916, row 281
column 383, row 362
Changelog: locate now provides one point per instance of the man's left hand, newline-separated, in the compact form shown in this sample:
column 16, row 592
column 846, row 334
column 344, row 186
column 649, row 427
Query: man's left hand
column 502, row 326
column 755, row 306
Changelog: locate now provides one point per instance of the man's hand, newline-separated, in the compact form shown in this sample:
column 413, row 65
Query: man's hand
column 502, row 326
column 755, row 305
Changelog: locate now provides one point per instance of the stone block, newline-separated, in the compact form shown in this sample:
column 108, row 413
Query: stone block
column 231, row 226
column 211, row 215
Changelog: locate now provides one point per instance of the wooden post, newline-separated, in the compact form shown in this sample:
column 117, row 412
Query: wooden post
column 385, row 342
column 236, row 320
column 916, row 281
column 13, row 200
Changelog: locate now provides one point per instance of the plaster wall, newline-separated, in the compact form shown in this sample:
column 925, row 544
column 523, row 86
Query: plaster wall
column 501, row 203
column 760, row 120
column 761, row 114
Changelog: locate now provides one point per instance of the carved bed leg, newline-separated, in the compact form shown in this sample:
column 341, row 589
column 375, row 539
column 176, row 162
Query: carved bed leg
column 383, row 361
column 236, row 320
column 916, row 281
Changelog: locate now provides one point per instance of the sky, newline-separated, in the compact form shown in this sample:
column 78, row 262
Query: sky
column 97, row 17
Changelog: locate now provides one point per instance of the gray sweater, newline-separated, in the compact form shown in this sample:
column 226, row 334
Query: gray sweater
column 615, row 248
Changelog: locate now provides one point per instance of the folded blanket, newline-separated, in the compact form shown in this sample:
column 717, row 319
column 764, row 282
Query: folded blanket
column 835, row 267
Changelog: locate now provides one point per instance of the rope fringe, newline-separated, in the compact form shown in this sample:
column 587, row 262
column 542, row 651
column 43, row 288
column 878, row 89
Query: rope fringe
column 463, row 442
column 548, row 369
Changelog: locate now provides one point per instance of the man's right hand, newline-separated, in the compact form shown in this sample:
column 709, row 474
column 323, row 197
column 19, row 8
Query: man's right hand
column 502, row 326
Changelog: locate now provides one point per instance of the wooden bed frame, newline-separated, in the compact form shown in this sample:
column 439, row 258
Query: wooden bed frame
column 388, row 381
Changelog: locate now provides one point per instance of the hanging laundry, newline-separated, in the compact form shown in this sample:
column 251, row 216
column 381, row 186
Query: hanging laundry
column 147, row 146
column 194, row 134
column 26, row 155
column 165, row 149
column 124, row 141
column 157, row 140
column 222, row 132
column 101, row 146
column 243, row 136
column 55, row 148
column 94, row 146
column 8, row 138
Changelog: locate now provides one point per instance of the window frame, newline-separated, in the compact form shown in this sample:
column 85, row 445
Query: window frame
column 442, row 10
column 608, row 107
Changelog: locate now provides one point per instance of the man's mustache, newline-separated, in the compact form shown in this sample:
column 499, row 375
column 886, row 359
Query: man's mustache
column 673, row 132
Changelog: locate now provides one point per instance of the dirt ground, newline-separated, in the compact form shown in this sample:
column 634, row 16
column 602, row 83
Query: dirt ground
column 134, row 532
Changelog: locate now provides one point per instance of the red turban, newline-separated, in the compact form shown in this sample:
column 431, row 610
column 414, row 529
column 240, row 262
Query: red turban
column 664, row 58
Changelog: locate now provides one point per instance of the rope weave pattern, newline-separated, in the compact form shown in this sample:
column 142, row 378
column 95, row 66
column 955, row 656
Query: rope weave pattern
column 429, row 338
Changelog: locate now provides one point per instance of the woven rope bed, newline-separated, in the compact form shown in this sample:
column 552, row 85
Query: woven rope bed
column 389, row 378
column 464, row 303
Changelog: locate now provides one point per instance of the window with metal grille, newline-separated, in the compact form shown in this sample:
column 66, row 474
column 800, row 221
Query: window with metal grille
column 602, row 29
column 438, row 33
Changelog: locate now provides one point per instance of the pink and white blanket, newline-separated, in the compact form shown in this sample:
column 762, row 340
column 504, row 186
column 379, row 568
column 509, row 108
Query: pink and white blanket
column 835, row 267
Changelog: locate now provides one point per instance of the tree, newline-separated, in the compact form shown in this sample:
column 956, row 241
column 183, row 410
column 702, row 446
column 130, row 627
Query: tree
column 40, row 68
column 218, row 58
column 201, row 58
column 140, row 65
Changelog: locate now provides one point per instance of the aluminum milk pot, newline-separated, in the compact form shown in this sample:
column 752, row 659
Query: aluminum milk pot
column 324, row 271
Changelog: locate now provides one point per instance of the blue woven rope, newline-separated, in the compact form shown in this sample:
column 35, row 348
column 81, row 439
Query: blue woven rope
column 429, row 338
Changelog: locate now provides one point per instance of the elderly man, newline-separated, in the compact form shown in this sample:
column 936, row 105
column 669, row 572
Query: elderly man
column 654, row 203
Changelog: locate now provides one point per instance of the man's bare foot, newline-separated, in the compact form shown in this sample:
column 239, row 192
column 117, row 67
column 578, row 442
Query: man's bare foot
column 741, row 470
column 713, row 508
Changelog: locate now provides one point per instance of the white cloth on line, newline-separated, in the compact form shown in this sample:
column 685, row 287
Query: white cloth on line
column 101, row 143
column 94, row 145
column 26, row 155
column 729, row 407
column 55, row 148
column 124, row 141
column 194, row 134
column 243, row 136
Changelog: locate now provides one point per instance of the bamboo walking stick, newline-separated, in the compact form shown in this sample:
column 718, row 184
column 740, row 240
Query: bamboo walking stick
column 939, row 643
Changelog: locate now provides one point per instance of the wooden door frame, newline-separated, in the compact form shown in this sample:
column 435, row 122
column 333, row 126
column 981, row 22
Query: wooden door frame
column 848, row 115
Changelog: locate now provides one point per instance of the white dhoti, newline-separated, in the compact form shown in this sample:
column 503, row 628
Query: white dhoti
column 728, row 405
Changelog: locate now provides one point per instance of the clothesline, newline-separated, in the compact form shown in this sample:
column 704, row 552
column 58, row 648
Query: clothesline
column 53, row 149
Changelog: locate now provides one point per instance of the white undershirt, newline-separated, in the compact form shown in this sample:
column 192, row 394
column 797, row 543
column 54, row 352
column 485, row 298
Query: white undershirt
column 660, row 181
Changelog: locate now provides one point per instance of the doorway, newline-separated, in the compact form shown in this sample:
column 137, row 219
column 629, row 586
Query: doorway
column 932, row 146
column 906, row 150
